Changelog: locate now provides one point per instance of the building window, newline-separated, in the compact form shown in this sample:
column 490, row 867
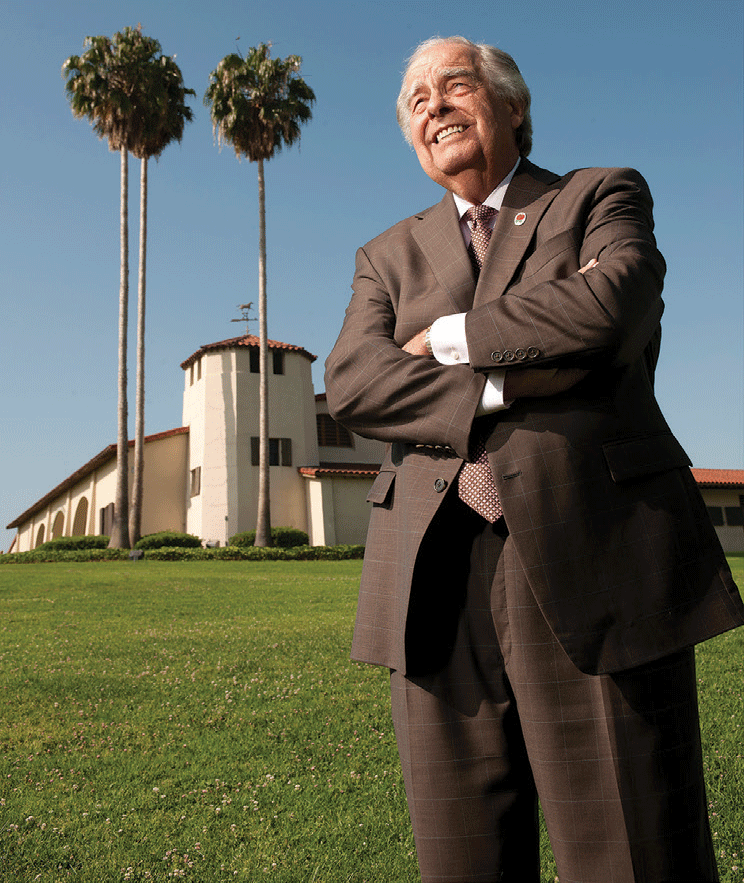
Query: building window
column 198, row 370
column 734, row 516
column 277, row 360
column 196, row 481
column 332, row 434
column 191, row 375
column 280, row 451
column 106, row 519
column 286, row 451
column 716, row 515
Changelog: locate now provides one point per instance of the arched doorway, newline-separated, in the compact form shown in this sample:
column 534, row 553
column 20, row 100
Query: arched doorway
column 59, row 525
column 79, row 525
column 39, row 536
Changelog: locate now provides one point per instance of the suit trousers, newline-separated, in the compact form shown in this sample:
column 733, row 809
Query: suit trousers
column 493, row 715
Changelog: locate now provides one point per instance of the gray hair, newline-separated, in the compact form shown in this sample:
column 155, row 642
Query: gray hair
column 500, row 74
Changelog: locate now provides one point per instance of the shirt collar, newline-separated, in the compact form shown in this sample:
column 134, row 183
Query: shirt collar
column 494, row 199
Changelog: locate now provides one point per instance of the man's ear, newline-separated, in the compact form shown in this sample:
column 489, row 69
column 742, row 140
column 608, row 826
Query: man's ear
column 517, row 114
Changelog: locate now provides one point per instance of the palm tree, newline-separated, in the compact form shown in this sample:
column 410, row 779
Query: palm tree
column 163, row 100
column 111, row 84
column 257, row 105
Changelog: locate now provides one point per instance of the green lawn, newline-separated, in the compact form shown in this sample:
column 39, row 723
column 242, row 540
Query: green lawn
column 202, row 721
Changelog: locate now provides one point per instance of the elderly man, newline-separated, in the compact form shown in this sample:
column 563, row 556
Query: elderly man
column 539, row 562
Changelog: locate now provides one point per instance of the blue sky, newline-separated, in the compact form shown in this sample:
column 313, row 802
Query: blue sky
column 655, row 85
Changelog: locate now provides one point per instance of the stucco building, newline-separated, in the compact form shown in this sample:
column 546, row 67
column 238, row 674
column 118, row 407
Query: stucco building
column 202, row 477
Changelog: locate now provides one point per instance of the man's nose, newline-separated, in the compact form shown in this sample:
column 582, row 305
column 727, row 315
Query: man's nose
column 437, row 103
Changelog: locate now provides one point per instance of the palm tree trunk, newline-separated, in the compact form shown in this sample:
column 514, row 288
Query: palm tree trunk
column 135, row 515
column 263, row 516
column 120, row 530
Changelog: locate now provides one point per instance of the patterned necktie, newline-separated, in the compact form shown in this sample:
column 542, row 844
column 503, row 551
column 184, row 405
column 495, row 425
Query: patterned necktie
column 478, row 217
column 475, row 484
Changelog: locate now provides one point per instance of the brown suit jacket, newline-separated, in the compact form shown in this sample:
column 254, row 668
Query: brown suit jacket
column 608, row 524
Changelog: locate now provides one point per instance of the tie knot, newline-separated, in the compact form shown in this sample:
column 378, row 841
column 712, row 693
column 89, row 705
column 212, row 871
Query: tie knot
column 480, row 214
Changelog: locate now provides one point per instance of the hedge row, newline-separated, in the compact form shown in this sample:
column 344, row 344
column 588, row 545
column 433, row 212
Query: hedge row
column 151, row 541
column 41, row 556
column 180, row 553
column 65, row 544
column 259, row 553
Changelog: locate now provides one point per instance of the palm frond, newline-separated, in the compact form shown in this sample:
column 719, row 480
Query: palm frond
column 257, row 104
column 132, row 94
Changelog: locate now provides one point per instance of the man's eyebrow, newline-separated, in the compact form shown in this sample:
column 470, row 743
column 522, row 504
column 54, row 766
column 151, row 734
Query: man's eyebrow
column 446, row 73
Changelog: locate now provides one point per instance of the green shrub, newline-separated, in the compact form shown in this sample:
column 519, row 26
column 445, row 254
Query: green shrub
column 168, row 538
column 178, row 553
column 245, row 538
column 63, row 544
column 283, row 537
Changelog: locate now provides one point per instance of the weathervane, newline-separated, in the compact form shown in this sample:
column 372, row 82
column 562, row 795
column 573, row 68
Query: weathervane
column 245, row 316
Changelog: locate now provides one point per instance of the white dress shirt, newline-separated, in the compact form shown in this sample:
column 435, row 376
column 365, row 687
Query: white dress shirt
column 447, row 335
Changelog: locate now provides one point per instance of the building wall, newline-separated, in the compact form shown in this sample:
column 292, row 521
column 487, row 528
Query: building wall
column 362, row 450
column 62, row 510
column 165, row 484
column 725, row 505
column 291, row 416
column 338, row 511
column 163, row 504
column 221, row 407
column 208, row 413
column 351, row 508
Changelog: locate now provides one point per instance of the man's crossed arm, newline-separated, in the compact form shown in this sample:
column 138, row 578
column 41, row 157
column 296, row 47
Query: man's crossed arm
column 522, row 383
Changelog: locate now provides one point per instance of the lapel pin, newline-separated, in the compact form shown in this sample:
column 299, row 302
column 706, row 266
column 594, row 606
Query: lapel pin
column 519, row 219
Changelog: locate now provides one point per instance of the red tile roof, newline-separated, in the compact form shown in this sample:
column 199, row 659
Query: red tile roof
column 100, row 459
column 726, row 478
column 355, row 470
column 249, row 340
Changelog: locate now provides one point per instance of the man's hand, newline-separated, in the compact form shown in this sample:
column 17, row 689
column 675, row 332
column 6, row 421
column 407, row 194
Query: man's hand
column 416, row 346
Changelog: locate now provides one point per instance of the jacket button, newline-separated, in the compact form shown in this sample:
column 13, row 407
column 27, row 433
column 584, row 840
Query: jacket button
column 521, row 355
column 508, row 356
column 496, row 356
column 439, row 485
column 533, row 352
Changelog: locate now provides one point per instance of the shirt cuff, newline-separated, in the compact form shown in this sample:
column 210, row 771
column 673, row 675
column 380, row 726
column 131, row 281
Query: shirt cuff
column 448, row 342
column 492, row 398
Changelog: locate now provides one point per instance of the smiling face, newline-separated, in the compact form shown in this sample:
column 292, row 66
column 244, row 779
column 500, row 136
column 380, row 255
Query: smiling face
column 463, row 136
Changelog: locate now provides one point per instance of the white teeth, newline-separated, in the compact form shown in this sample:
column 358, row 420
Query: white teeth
column 445, row 133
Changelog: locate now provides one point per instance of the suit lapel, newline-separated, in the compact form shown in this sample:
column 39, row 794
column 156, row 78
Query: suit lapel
column 439, row 238
column 438, row 235
column 528, row 196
